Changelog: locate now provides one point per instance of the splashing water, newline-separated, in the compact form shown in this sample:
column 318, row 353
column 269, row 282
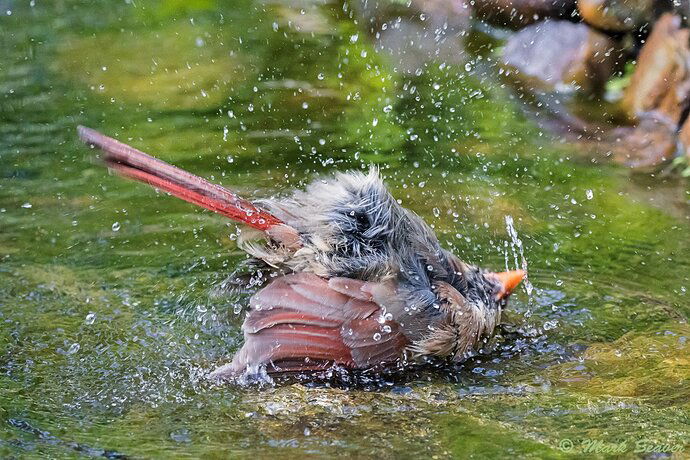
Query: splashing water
column 139, row 374
column 518, row 251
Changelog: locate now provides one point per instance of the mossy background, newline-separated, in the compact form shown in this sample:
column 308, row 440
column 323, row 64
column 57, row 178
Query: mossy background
column 108, row 321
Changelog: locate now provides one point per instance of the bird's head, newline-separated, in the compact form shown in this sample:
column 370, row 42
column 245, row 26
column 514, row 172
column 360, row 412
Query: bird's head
column 499, row 285
column 485, row 287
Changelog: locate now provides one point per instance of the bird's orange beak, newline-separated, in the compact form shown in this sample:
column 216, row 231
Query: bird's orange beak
column 509, row 281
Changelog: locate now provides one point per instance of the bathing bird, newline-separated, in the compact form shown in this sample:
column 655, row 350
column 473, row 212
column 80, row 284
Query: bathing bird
column 360, row 282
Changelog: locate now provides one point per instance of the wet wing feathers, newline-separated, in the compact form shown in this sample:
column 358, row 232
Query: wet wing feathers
column 301, row 320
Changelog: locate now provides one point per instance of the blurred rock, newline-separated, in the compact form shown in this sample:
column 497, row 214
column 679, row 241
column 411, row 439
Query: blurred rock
column 454, row 13
column 621, row 15
column 650, row 143
column 519, row 13
column 684, row 138
column 416, row 33
column 682, row 8
column 553, row 54
column 660, row 84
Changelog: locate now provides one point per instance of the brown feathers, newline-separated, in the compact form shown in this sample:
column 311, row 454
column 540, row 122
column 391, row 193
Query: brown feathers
column 319, row 321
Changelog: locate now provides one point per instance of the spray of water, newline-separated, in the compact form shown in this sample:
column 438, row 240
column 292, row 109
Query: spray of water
column 518, row 251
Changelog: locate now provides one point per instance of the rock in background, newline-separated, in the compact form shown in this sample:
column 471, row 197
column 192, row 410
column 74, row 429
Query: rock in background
column 660, row 85
column 555, row 54
column 621, row 15
column 564, row 51
column 519, row 13
column 414, row 32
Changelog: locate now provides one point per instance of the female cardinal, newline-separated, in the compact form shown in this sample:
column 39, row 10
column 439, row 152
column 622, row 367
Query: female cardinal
column 363, row 284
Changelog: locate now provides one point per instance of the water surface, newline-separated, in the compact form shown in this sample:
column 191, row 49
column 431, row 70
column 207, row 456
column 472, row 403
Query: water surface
column 108, row 322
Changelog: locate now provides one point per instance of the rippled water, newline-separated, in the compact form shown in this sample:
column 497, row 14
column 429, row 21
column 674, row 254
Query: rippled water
column 108, row 317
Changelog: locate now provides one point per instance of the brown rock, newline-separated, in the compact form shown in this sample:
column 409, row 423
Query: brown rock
column 650, row 143
column 661, row 81
column 518, row 13
column 621, row 15
column 553, row 53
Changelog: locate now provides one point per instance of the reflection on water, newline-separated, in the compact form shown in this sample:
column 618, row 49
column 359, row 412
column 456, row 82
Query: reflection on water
column 108, row 313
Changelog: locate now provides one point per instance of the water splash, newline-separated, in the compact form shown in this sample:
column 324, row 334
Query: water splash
column 518, row 251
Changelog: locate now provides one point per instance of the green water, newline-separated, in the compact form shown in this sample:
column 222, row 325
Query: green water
column 108, row 321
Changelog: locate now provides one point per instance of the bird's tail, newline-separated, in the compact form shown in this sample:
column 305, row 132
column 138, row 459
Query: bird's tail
column 134, row 164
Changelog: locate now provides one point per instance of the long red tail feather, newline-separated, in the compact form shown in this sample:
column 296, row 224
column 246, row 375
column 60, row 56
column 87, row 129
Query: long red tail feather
column 132, row 163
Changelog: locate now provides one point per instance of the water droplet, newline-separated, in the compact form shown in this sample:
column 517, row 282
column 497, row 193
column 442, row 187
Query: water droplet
column 377, row 337
column 73, row 348
column 321, row 76
column 437, row 212
column 90, row 318
column 375, row 122
column 27, row 205
column 550, row 325
column 589, row 194
column 116, row 226
column 181, row 435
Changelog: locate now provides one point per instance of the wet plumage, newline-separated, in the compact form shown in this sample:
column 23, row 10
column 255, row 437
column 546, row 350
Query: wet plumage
column 365, row 283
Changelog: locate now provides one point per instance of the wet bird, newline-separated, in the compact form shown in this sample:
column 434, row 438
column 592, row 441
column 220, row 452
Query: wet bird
column 362, row 282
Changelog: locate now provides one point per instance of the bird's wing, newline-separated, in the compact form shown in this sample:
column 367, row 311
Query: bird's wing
column 302, row 322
